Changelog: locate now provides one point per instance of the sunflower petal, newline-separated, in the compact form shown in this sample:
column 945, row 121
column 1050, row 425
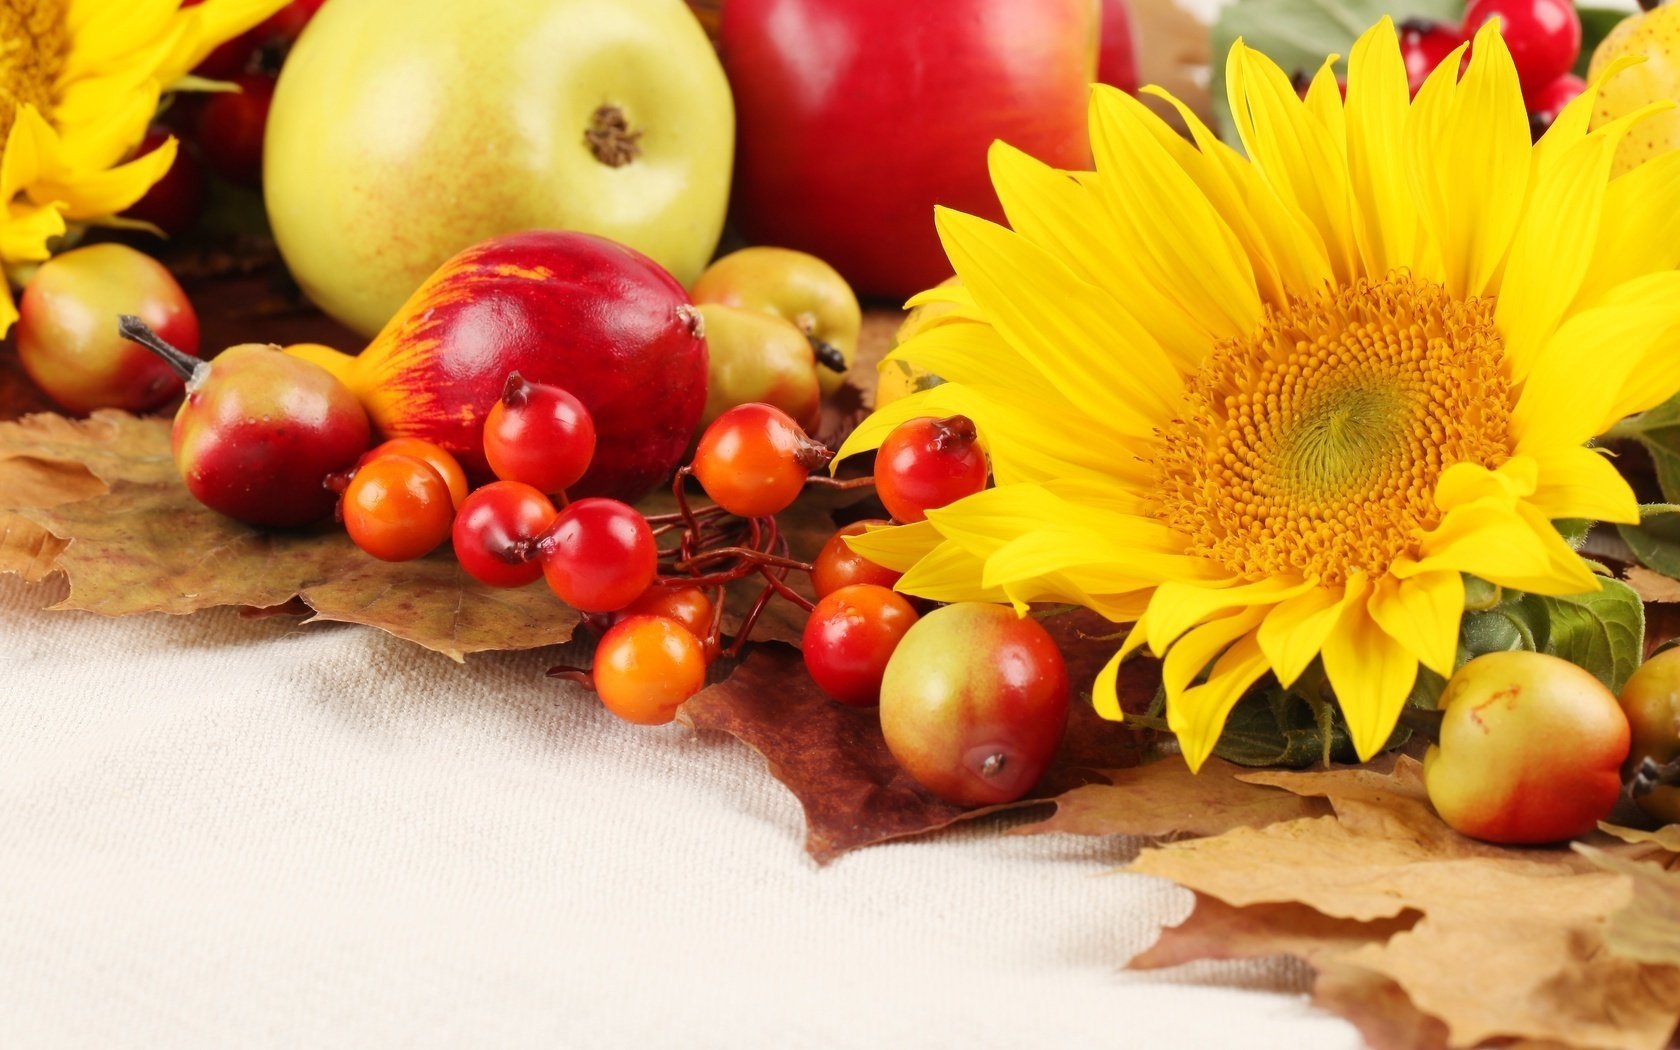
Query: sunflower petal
column 1578, row 482
column 1387, row 223
column 1372, row 674
column 1422, row 614
column 1294, row 631
column 1203, row 709
column 1178, row 605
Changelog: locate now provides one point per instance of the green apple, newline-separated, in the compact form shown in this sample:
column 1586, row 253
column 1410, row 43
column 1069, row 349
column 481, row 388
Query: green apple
column 403, row 131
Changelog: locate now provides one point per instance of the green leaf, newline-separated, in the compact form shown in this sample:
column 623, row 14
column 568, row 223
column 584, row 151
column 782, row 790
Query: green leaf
column 1603, row 632
column 1655, row 541
column 1659, row 431
column 1281, row 728
column 1596, row 23
column 1300, row 34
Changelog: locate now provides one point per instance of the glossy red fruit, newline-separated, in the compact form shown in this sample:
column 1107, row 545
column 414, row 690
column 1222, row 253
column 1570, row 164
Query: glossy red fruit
column 1117, row 57
column 850, row 636
column 974, row 703
column 67, row 338
column 837, row 565
column 230, row 125
column 539, row 434
column 926, row 464
column 1425, row 44
column 1549, row 102
column 261, row 434
column 1544, row 37
column 688, row 606
column 174, row 202
column 572, row 310
column 856, row 117
column 599, row 556
column 496, row 533
column 753, row 460
column 1530, row 750
column 645, row 667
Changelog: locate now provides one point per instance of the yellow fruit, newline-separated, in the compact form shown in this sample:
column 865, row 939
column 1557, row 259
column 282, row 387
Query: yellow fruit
column 1655, row 35
column 403, row 131
column 896, row 379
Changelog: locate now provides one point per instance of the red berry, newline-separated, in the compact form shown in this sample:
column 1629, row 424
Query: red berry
column 539, row 434
column 928, row 463
column 1544, row 37
column 230, row 128
column 849, row 638
column 434, row 455
column 1549, row 102
column 688, row 606
column 174, row 202
column 753, row 460
column 837, row 565
column 1425, row 44
column 496, row 533
column 645, row 667
column 397, row 508
column 599, row 555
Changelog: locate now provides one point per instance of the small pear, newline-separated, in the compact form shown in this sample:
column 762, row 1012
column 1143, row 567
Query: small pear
column 1655, row 36
column 260, row 431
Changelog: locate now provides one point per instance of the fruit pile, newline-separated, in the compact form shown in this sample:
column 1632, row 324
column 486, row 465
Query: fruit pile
column 1545, row 41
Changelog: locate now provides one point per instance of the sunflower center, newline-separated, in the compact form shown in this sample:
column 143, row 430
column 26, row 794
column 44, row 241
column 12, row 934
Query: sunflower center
column 1313, row 446
column 33, row 43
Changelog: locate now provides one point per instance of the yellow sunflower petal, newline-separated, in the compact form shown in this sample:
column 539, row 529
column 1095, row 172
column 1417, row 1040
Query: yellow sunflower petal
column 896, row 547
column 1294, row 631
column 1203, row 709
column 1189, row 252
column 1497, row 541
column 208, row 24
column 1640, row 229
column 949, row 573
column 97, row 194
column 1076, row 346
column 27, row 229
column 8, row 309
column 1196, row 651
column 1422, row 614
column 1105, row 691
column 1578, row 482
column 1179, row 606
column 1478, row 125
column 1387, row 221
column 1297, row 154
column 1372, row 674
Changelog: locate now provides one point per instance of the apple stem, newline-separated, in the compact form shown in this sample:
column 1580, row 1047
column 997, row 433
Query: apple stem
column 1652, row 775
column 827, row 354
column 189, row 368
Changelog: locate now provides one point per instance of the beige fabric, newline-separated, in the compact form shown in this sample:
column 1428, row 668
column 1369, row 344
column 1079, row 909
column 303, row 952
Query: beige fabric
column 220, row 832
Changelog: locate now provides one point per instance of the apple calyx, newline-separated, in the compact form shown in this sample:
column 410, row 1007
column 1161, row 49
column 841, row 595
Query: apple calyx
column 610, row 138
column 694, row 319
column 192, row 371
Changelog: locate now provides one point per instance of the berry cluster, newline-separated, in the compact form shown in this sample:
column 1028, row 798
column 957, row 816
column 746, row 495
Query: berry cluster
column 1544, row 37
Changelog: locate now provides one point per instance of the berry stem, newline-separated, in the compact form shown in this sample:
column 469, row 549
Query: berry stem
column 823, row 481
column 573, row 674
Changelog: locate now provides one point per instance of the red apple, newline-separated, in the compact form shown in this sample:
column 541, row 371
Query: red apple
column 856, row 117
column 1117, row 62
column 67, row 329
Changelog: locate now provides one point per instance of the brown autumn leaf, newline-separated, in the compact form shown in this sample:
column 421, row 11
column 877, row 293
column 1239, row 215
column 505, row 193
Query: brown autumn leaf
column 1165, row 799
column 834, row 760
column 1533, row 920
column 1651, row 586
column 1665, row 838
column 1647, row 927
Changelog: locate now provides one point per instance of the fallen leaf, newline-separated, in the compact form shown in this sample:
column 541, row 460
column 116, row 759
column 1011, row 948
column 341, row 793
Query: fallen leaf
column 1666, row 837
column 1379, row 1008
column 1652, row 586
column 835, row 761
column 1647, row 927
column 1165, row 799
column 1534, row 921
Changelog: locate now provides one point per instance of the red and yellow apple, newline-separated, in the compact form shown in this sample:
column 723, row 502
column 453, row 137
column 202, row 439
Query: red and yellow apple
column 67, row 329
column 1530, row 751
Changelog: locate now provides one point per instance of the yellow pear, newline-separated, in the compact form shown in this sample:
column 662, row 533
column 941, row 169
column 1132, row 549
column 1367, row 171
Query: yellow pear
column 1655, row 36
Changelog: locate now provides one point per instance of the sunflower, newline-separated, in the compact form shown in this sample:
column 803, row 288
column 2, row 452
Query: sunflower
column 1273, row 409
column 79, row 82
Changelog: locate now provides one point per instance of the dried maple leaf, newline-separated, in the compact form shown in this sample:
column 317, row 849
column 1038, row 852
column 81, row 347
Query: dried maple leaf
column 1165, row 799
column 835, row 761
column 1651, row 586
column 1647, row 927
column 143, row 544
column 1533, row 920
column 1666, row 838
